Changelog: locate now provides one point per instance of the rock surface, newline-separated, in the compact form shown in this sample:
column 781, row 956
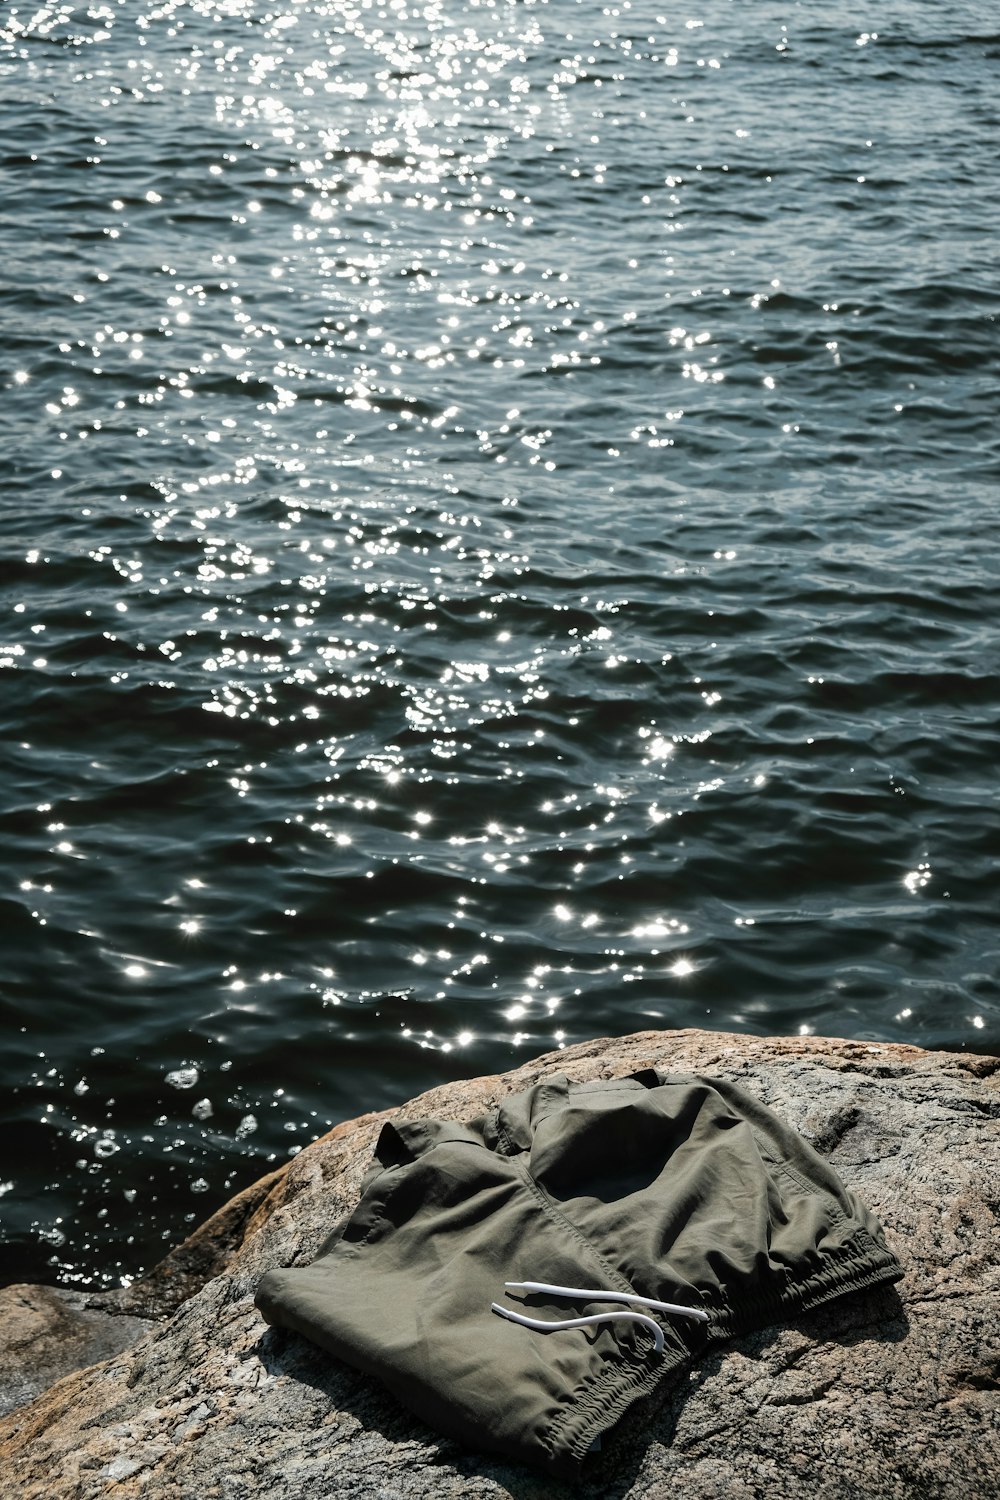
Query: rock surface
column 46, row 1331
column 893, row 1395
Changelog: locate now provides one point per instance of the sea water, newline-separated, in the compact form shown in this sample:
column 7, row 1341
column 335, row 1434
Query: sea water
column 500, row 547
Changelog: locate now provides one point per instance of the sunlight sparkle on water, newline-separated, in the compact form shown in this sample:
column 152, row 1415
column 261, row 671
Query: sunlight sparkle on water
column 478, row 597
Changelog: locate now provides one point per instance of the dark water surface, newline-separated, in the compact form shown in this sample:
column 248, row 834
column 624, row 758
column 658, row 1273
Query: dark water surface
column 500, row 546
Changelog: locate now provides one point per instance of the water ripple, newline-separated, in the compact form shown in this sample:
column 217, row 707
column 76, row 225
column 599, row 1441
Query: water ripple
column 500, row 527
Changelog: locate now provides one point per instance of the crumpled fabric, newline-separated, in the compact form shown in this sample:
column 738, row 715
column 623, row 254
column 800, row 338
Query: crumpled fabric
column 679, row 1188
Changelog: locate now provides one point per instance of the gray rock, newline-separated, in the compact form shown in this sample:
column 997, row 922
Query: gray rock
column 46, row 1331
column 894, row 1395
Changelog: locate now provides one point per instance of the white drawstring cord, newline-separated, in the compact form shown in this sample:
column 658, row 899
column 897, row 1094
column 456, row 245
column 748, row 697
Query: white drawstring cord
column 590, row 1294
column 600, row 1296
column 545, row 1327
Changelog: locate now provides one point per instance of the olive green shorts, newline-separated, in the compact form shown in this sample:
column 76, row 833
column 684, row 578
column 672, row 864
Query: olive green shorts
column 655, row 1188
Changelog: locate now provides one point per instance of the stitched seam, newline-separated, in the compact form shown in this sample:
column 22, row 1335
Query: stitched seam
column 627, row 1084
column 621, row 1282
column 838, row 1218
column 631, row 1378
column 811, row 1189
column 510, row 1147
column 381, row 1213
